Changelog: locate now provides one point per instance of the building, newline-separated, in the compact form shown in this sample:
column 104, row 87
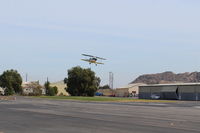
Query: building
column 129, row 90
column 32, row 88
column 179, row 91
column 107, row 92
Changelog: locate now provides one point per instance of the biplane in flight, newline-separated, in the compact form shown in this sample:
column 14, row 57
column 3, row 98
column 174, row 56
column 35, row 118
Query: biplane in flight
column 93, row 59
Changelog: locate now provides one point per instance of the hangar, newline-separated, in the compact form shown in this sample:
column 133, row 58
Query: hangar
column 181, row 91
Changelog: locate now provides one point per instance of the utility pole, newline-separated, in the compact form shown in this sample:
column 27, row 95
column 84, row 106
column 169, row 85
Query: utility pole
column 26, row 77
column 111, row 79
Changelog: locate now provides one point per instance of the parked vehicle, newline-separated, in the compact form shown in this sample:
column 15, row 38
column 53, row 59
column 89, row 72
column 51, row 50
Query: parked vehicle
column 98, row 94
column 155, row 96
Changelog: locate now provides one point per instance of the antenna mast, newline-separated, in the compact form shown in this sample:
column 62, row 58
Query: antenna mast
column 111, row 79
column 26, row 77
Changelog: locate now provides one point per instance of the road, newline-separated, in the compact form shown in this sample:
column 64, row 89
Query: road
column 33, row 115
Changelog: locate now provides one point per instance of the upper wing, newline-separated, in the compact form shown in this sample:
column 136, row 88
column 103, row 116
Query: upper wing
column 87, row 55
column 94, row 56
column 100, row 58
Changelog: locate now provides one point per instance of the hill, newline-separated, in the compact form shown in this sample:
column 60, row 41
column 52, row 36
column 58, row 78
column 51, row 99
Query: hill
column 168, row 77
column 61, row 87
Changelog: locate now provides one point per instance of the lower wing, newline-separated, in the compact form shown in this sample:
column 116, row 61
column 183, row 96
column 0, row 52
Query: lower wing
column 99, row 63
column 85, row 60
column 92, row 61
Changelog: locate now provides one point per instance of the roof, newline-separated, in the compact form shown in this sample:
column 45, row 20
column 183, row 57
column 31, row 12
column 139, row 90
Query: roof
column 132, row 85
column 30, row 84
column 174, row 84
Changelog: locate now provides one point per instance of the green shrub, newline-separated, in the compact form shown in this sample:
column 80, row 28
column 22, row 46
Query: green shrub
column 8, row 91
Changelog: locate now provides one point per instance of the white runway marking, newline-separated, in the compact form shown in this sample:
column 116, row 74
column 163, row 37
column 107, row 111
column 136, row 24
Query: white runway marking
column 158, row 104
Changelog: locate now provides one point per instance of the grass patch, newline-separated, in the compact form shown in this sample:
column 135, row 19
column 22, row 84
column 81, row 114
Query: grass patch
column 103, row 99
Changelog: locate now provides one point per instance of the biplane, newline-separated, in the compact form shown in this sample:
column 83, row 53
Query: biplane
column 93, row 59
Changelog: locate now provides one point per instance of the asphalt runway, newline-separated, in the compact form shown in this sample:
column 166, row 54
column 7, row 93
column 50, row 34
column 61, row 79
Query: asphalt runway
column 32, row 115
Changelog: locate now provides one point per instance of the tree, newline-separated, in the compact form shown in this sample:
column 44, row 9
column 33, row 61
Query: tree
column 50, row 91
column 37, row 91
column 81, row 82
column 11, row 80
column 53, row 91
column 47, row 87
column 8, row 91
column 104, row 87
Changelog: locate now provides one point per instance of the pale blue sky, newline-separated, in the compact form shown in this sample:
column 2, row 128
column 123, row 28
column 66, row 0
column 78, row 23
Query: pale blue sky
column 47, row 37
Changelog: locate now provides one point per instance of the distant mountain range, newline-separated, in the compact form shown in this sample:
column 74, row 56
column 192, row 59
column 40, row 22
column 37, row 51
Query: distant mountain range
column 168, row 77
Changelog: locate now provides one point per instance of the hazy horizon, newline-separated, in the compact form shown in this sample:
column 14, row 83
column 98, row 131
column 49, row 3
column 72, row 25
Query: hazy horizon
column 45, row 38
